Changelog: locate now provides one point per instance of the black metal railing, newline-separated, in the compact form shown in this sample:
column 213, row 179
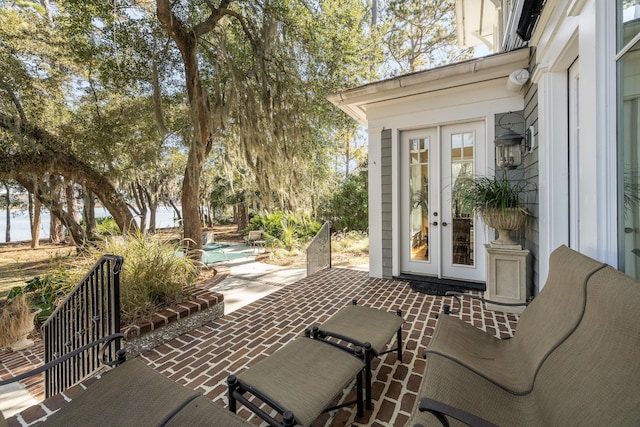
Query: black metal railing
column 319, row 250
column 89, row 313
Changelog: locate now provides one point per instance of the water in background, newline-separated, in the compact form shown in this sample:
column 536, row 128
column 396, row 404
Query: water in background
column 20, row 229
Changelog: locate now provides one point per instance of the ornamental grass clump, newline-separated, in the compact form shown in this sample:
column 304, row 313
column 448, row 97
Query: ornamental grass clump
column 496, row 193
column 16, row 320
column 155, row 274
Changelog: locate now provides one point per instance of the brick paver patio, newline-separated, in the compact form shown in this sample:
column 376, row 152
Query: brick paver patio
column 203, row 358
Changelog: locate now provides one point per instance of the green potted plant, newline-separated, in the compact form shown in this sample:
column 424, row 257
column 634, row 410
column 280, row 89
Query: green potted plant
column 497, row 200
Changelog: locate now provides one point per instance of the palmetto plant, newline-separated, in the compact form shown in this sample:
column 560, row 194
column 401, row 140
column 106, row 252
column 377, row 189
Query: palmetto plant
column 490, row 193
column 497, row 200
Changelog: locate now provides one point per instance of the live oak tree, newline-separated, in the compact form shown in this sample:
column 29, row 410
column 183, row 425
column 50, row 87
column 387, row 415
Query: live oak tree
column 132, row 86
column 255, row 74
column 421, row 34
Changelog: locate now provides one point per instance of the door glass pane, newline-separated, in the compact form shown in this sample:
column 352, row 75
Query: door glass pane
column 462, row 236
column 628, row 82
column 419, row 192
column 629, row 161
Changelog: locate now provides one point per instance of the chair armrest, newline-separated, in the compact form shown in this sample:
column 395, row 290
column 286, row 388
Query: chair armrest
column 439, row 410
column 456, row 296
column 105, row 342
column 360, row 350
column 238, row 388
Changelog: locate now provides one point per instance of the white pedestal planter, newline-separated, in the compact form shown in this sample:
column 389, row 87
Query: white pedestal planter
column 508, row 277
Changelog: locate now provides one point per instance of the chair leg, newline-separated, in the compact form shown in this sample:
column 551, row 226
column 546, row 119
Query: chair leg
column 367, row 372
column 359, row 394
column 232, row 382
column 399, row 334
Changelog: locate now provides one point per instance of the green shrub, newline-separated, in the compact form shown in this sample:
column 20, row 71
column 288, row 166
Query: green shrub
column 348, row 207
column 44, row 291
column 155, row 274
column 285, row 229
column 107, row 226
column 350, row 241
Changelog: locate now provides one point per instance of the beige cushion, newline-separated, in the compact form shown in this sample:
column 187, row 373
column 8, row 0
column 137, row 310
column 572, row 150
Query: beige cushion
column 365, row 324
column 303, row 376
column 132, row 394
column 203, row 412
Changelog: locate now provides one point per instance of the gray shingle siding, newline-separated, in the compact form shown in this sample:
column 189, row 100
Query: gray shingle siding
column 387, row 202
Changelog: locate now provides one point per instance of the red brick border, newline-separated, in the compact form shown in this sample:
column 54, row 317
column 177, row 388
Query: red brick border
column 200, row 300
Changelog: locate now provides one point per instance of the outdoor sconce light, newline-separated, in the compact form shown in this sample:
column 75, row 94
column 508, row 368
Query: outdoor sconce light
column 512, row 146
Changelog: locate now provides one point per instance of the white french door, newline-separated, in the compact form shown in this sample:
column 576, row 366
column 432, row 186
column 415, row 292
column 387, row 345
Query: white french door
column 438, row 236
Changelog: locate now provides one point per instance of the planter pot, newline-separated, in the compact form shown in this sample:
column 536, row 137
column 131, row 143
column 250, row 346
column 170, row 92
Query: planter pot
column 504, row 220
column 24, row 342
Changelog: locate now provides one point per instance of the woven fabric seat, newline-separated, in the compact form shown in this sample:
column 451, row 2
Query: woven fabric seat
column 203, row 412
column 303, row 377
column 361, row 324
column 364, row 326
column 591, row 378
column 512, row 364
column 134, row 394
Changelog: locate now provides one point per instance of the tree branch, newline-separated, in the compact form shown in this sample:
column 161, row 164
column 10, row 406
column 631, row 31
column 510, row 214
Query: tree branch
column 50, row 157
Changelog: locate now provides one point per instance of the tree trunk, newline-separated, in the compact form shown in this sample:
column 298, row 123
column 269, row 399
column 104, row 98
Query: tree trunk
column 7, row 235
column 186, row 39
column 177, row 212
column 152, row 197
column 89, row 213
column 70, row 196
column 35, row 224
column 139, row 195
column 241, row 216
column 56, row 230
column 191, row 218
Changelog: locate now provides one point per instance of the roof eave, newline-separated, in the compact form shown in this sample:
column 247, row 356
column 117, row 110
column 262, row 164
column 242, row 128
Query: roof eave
column 354, row 101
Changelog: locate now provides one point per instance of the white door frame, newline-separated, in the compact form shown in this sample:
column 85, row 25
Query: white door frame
column 440, row 263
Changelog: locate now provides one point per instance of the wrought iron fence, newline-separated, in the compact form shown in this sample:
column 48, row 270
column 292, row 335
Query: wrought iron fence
column 89, row 313
column 319, row 250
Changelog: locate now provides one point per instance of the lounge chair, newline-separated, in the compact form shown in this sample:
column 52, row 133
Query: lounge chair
column 591, row 376
column 135, row 394
column 544, row 324
column 253, row 238
column 131, row 394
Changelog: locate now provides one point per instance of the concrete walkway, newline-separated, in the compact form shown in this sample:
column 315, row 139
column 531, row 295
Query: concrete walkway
column 249, row 280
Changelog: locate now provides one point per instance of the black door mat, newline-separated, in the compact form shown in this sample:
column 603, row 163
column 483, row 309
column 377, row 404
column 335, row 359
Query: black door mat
column 435, row 286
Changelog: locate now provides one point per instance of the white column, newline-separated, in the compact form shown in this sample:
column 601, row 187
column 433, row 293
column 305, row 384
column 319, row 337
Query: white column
column 553, row 185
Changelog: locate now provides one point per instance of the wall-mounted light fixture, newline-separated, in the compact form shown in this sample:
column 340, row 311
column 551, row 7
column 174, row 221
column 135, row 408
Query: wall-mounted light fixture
column 512, row 146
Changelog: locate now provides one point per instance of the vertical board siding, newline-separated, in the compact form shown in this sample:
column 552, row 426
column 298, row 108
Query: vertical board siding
column 387, row 203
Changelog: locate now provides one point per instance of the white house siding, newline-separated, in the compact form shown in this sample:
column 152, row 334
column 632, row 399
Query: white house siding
column 570, row 30
column 433, row 105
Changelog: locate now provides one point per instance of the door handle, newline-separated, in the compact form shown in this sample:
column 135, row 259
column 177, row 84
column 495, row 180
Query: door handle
column 444, row 224
column 434, row 223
